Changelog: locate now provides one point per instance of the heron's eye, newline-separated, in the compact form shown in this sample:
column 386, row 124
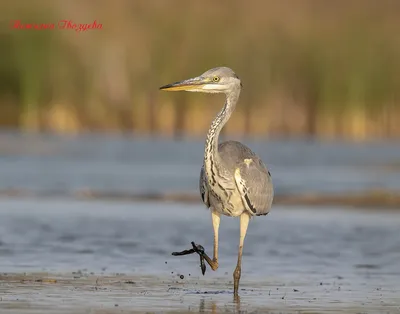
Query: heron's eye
column 216, row 79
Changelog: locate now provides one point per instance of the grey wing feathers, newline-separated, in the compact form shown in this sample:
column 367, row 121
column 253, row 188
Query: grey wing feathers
column 254, row 182
column 252, row 177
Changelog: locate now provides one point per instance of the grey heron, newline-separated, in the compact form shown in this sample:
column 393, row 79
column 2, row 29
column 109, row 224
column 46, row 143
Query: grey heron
column 234, row 181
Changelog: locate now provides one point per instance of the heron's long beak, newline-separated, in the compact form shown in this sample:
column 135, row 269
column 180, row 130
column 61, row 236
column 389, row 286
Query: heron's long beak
column 193, row 83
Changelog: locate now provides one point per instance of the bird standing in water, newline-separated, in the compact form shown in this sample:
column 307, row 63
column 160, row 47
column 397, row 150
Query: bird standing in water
column 233, row 179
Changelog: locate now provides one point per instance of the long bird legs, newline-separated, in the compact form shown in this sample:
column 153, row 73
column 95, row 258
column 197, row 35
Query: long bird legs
column 244, row 223
column 216, row 218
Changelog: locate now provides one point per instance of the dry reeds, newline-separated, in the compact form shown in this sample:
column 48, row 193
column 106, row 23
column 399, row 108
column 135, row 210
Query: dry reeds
column 319, row 68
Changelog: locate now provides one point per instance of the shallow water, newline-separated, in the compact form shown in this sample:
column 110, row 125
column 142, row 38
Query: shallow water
column 314, row 258
column 295, row 259
column 62, row 165
column 65, row 235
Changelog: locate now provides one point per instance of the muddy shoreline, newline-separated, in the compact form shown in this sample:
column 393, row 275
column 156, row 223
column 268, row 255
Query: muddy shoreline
column 84, row 293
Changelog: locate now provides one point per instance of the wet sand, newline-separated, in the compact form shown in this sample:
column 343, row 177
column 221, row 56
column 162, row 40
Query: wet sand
column 72, row 293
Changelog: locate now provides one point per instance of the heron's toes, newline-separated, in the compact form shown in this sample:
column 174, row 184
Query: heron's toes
column 199, row 249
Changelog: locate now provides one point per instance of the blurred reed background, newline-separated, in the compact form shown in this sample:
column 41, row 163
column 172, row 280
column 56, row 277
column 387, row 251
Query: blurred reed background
column 327, row 69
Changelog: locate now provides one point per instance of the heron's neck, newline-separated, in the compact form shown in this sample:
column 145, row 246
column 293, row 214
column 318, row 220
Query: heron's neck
column 211, row 145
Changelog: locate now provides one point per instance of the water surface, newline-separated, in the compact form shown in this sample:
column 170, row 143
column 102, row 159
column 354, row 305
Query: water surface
column 115, row 164
column 116, row 256
column 318, row 258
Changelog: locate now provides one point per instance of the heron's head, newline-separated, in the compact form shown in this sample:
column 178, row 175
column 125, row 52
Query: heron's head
column 217, row 80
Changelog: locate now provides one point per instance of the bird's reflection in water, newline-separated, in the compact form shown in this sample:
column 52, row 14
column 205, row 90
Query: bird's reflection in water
column 207, row 306
column 210, row 306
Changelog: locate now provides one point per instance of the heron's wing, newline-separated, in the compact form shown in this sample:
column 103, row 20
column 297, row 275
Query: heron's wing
column 254, row 183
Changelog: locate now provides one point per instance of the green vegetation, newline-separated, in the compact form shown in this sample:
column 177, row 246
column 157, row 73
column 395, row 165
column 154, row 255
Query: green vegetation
column 323, row 68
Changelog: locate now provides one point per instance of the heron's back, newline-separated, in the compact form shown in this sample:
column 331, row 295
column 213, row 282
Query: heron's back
column 233, row 153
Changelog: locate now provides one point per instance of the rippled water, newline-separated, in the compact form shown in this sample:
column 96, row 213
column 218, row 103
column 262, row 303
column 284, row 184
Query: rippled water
column 139, row 237
column 320, row 255
column 61, row 165
column 330, row 257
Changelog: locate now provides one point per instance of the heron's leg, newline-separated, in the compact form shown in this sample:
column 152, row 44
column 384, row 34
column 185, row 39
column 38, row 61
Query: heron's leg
column 244, row 222
column 216, row 218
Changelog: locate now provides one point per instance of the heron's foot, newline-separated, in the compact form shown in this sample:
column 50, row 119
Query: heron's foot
column 184, row 252
column 200, row 250
column 236, row 279
column 196, row 249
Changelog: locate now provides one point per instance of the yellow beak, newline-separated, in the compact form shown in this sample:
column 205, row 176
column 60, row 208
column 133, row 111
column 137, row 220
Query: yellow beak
column 189, row 84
